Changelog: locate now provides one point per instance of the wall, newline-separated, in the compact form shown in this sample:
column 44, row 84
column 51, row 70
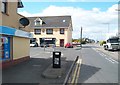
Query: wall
column 69, row 36
column 11, row 19
column 21, row 47
column 56, row 34
column 8, row 19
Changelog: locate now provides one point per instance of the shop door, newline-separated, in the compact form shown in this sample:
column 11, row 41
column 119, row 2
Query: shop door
column 61, row 42
column 4, row 48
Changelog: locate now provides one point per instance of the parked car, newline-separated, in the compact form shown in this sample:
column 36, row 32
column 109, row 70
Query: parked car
column 68, row 45
column 34, row 44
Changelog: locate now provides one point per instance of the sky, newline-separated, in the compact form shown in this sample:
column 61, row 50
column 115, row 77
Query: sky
column 99, row 20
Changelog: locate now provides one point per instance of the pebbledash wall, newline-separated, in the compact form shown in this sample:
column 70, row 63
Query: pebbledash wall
column 14, row 43
column 55, row 23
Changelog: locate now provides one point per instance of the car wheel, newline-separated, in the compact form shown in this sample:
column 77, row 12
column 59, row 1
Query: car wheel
column 106, row 48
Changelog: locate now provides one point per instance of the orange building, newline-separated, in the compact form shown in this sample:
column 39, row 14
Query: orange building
column 12, row 39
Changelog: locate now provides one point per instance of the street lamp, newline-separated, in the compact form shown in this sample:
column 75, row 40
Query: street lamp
column 118, row 17
column 81, row 37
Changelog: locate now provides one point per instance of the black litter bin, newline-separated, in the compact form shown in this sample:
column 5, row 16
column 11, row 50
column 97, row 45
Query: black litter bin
column 56, row 59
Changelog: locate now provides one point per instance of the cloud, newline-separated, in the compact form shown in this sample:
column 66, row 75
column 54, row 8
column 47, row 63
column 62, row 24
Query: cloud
column 92, row 21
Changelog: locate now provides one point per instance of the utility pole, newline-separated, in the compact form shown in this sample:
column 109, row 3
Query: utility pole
column 81, row 38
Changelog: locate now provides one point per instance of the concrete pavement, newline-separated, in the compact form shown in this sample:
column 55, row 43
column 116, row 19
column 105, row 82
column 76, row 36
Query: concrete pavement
column 53, row 73
column 32, row 71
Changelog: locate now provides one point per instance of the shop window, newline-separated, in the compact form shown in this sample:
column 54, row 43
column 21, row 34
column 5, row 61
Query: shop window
column 4, row 6
column 49, row 31
column 61, row 31
column 37, row 31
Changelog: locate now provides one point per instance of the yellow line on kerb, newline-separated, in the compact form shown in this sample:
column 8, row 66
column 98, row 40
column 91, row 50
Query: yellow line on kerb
column 76, row 72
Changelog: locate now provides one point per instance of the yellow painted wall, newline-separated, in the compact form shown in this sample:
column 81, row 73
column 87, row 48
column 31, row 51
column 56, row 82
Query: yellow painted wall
column 20, row 47
column 10, row 19
column 56, row 34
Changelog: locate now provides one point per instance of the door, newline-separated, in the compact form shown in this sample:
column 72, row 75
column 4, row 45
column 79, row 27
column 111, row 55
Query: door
column 61, row 42
column 5, row 48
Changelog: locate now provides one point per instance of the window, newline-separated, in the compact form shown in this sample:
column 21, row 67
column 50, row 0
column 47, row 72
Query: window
column 49, row 31
column 37, row 31
column 61, row 31
column 4, row 6
column 38, row 22
column 32, row 40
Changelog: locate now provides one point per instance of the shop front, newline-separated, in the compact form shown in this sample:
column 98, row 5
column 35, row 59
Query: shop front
column 11, row 41
column 49, row 41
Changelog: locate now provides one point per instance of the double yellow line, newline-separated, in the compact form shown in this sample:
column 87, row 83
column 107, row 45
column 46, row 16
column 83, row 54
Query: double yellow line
column 76, row 72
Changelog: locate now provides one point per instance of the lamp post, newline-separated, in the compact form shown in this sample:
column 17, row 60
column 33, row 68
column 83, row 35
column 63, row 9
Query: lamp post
column 118, row 18
column 81, row 37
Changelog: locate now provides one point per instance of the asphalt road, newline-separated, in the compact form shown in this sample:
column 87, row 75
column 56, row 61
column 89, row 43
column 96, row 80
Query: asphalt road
column 97, row 67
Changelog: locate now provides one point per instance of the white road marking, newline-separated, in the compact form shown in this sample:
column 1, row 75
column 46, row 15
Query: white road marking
column 114, row 60
column 102, row 54
column 109, row 60
column 96, row 50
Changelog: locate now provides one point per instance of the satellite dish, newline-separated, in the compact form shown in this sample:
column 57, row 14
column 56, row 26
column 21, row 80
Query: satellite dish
column 24, row 21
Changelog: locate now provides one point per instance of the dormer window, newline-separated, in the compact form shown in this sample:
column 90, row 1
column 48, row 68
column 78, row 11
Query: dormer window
column 38, row 22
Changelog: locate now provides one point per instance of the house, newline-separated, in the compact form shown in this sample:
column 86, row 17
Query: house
column 53, row 30
column 12, row 39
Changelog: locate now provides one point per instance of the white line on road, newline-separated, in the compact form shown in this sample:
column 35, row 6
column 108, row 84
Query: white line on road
column 102, row 54
column 114, row 60
column 109, row 60
column 96, row 50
